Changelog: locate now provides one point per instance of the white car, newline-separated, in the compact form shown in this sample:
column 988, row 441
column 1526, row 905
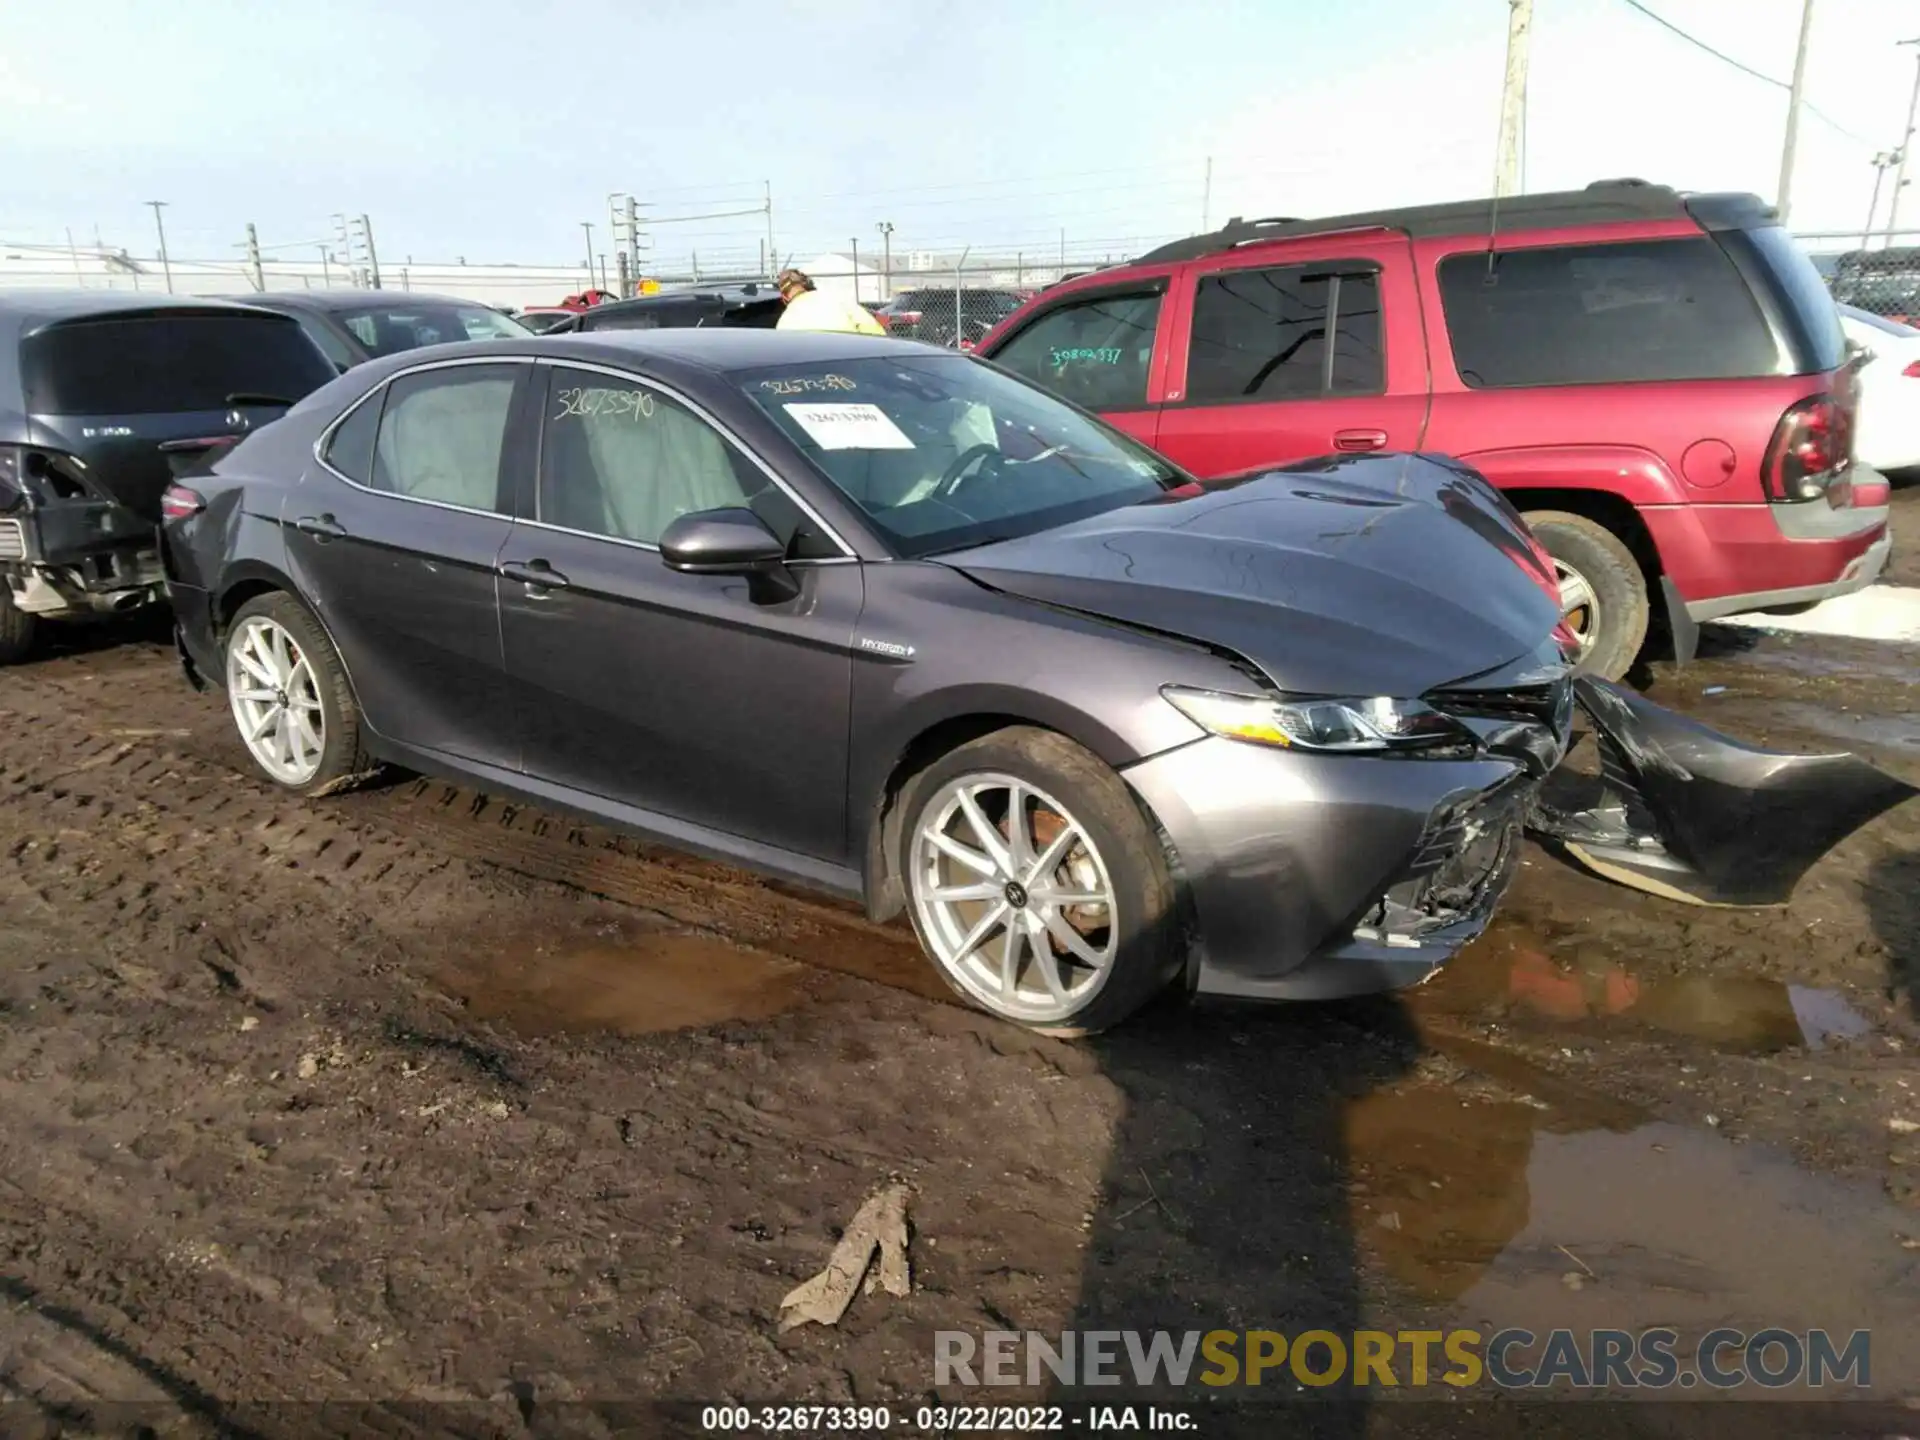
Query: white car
column 1888, row 433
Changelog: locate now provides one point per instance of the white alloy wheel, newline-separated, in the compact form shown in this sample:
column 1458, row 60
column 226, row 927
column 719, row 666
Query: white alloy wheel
column 1579, row 605
column 1012, row 898
column 276, row 700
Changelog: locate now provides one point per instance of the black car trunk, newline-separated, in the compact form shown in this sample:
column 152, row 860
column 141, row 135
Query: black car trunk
column 110, row 392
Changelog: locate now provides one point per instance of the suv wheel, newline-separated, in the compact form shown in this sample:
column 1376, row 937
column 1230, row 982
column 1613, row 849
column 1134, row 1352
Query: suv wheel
column 290, row 698
column 1603, row 592
column 16, row 628
column 1037, row 885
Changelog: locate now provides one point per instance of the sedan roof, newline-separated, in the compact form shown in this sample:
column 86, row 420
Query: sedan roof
column 331, row 300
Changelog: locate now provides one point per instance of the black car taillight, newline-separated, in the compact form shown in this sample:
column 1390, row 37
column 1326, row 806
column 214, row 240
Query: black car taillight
column 1812, row 447
column 177, row 502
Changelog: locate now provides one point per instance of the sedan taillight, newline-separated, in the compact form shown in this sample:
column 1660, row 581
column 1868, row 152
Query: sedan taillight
column 177, row 502
column 1913, row 370
column 1811, row 448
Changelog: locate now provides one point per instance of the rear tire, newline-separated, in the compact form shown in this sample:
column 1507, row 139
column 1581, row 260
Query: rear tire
column 18, row 630
column 1083, row 893
column 1604, row 596
column 274, row 646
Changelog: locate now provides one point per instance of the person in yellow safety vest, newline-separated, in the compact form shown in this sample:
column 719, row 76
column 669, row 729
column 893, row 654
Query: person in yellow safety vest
column 809, row 309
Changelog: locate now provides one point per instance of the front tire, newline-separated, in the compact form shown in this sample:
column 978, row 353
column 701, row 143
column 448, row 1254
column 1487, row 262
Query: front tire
column 18, row 630
column 1036, row 884
column 292, row 705
column 1603, row 591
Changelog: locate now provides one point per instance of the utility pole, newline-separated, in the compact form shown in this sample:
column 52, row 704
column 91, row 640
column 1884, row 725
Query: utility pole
column 1906, row 144
column 856, row 269
column 885, row 227
column 1795, row 93
column 633, row 242
column 587, row 225
column 1513, row 99
column 773, row 250
column 253, row 258
column 160, row 226
column 1206, row 198
column 1882, row 163
column 364, row 228
column 326, row 268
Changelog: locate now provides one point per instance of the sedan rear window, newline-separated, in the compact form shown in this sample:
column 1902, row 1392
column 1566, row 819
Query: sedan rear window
column 168, row 364
column 1602, row 314
column 391, row 329
column 942, row 453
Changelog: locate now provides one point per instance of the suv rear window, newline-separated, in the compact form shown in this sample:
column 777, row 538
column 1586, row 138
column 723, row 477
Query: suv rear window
column 1602, row 314
column 167, row 364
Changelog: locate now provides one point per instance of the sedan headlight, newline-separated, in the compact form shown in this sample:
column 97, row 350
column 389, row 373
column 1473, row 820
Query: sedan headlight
column 1379, row 722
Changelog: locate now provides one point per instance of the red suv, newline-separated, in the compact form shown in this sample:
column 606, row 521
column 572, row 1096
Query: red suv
column 1658, row 381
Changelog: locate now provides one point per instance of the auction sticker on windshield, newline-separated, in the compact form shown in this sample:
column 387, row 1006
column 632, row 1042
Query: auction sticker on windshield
column 850, row 427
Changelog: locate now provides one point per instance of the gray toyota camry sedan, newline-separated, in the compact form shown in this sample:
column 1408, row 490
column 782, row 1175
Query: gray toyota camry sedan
column 886, row 621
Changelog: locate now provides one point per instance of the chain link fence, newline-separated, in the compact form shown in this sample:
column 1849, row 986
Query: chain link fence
column 1878, row 271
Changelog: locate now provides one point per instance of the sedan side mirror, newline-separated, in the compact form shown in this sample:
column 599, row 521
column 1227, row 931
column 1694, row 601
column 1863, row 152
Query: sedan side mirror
column 733, row 541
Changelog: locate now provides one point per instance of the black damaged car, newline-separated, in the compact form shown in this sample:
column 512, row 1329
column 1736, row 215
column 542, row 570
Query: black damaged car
column 103, row 395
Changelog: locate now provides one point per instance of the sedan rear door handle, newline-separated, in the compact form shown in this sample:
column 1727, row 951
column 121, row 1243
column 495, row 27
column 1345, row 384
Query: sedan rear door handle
column 536, row 574
column 1351, row 440
column 324, row 527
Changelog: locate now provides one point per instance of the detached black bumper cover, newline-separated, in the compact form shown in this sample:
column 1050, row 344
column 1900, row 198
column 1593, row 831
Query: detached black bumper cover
column 1680, row 810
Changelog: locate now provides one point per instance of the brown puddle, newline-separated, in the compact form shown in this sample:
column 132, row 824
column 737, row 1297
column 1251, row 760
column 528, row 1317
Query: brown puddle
column 1512, row 1214
column 662, row 981
column 1508, row 974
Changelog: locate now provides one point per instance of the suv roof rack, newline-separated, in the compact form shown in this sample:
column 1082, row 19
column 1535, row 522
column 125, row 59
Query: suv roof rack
column 1603, row 200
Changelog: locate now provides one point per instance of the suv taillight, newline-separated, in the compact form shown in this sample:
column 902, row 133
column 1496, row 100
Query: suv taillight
column 1812, row 447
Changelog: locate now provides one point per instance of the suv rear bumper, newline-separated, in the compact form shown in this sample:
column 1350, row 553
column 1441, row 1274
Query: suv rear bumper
column 1728, row 559
column 1859, row 573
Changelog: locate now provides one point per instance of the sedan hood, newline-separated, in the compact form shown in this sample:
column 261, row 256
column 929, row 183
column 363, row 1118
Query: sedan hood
column 1365, row 575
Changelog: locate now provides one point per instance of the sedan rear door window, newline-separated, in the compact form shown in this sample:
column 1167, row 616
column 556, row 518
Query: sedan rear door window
column 441, row 434
column 1094, row 351
column 349, row 451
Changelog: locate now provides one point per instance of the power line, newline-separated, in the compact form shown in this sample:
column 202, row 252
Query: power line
column 1745, row 69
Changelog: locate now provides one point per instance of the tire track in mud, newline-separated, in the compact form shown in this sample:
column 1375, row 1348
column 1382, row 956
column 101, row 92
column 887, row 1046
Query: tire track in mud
column 154, row 761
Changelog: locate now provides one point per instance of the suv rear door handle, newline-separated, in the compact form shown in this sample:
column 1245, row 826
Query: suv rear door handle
column 323, row 527
column 535, row 574
column 1351, row 440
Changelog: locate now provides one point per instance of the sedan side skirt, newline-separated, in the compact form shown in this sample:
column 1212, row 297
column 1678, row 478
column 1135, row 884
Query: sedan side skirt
column 804, row 870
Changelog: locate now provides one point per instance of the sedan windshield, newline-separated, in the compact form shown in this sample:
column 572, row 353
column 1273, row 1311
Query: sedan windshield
column 387, row 330
column 943, row 453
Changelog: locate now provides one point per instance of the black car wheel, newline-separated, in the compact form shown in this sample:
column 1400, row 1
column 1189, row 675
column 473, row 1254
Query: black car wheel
column 16, row 629
column 1036, row 884
column 291, row 702
column 1603, row 592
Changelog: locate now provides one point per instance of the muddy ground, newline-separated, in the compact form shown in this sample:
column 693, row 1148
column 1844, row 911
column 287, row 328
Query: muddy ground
column 411, row 1096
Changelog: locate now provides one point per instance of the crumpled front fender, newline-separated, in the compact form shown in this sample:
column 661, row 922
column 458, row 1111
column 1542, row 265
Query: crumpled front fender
column 1683, row 811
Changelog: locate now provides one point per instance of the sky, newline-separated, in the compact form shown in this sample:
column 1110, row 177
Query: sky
column 488, row 130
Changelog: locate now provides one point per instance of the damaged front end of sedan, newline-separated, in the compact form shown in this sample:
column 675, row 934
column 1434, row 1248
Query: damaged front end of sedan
column 1669, row 806
column 1681, row 811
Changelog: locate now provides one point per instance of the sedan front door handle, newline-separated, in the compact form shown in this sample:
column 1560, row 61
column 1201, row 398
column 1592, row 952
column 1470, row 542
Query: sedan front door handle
column 323, row 527
column 535, row 574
